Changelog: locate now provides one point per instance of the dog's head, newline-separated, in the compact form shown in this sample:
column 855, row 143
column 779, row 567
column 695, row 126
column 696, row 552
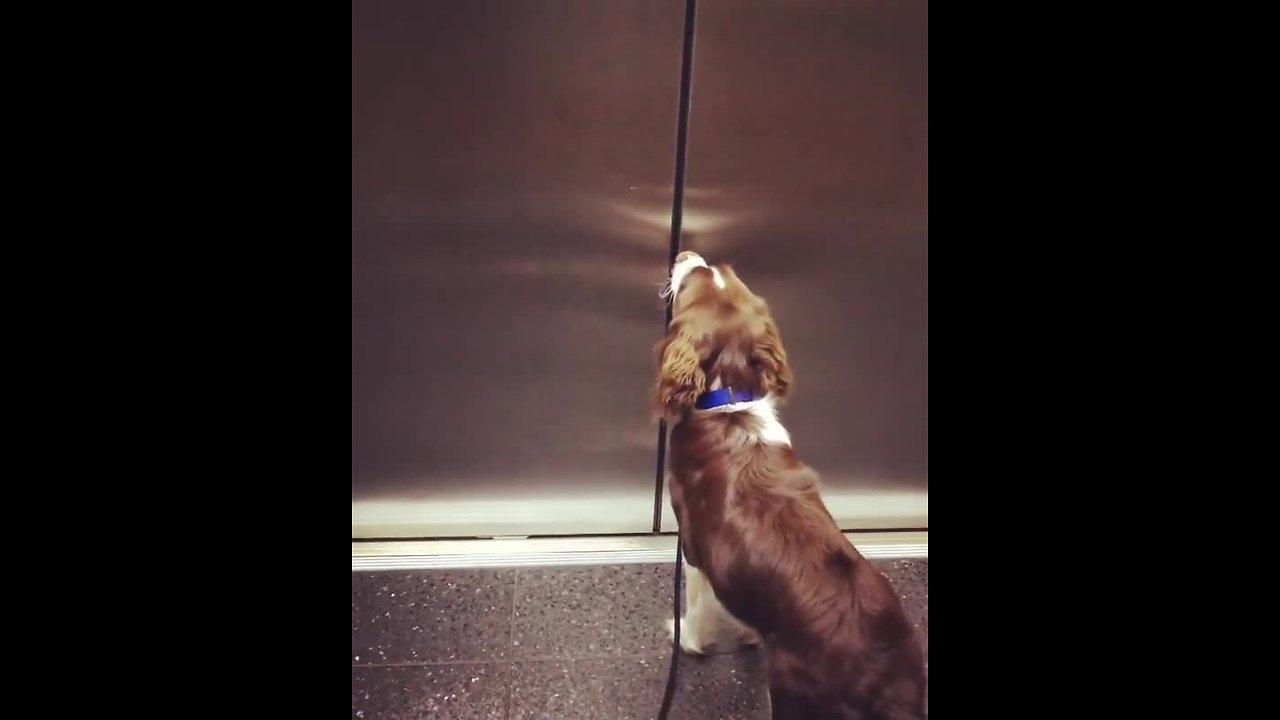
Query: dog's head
column 721, row 336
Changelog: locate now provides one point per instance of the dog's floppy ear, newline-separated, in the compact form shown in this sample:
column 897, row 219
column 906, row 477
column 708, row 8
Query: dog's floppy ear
column 771, row 358
column 680, row 376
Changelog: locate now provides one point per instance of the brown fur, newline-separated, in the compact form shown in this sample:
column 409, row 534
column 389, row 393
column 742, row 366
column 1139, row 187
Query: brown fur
column 838, row 643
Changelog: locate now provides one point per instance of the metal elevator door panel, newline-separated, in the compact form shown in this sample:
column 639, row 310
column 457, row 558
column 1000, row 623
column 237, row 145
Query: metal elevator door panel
column 511, row 185
column 808, row 171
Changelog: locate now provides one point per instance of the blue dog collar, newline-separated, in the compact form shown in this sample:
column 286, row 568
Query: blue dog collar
column 719, row 398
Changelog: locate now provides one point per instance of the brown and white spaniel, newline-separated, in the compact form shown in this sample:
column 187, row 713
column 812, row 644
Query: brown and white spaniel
column 766, row 561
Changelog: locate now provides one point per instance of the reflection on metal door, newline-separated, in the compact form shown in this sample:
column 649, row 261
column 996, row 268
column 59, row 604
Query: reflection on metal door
column 808, row 171
column 511, row 168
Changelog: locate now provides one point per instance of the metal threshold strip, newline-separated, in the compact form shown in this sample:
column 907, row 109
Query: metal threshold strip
column 596, row 550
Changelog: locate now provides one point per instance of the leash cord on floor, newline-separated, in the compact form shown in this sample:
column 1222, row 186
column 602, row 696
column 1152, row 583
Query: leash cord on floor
column 675, row 636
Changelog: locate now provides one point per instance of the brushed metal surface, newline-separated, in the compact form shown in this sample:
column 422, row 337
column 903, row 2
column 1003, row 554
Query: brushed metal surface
column 809, row 172
column 511, row 197
column 511, row 184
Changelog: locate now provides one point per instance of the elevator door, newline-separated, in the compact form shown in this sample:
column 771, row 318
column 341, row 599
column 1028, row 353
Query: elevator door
column 808, row 171
column 511, row 185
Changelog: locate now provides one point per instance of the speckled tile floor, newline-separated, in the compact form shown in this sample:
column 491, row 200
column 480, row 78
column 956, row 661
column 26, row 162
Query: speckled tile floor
column 556, row 643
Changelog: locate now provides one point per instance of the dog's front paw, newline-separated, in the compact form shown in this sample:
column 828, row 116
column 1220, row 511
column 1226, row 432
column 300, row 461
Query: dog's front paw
column 686, row 642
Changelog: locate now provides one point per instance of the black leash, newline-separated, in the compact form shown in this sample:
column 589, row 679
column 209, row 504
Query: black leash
column 677, row 219
column 675, row 640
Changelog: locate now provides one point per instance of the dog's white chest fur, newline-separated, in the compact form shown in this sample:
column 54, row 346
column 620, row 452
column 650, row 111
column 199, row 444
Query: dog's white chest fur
column 771, row 429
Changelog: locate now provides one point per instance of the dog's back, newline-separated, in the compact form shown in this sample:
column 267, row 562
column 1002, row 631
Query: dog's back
column 851, row 655
column 838, row 640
